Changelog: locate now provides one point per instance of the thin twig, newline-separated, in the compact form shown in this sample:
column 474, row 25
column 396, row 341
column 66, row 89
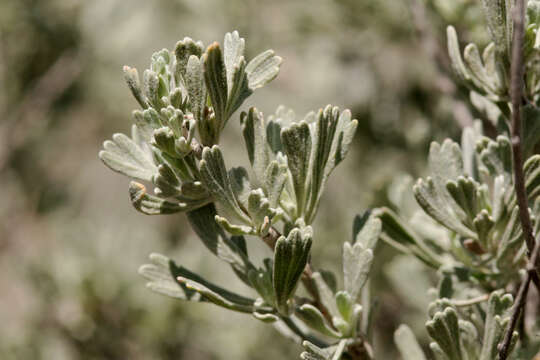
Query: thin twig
column 469, row 302
column 519, row 303
column 516, row 88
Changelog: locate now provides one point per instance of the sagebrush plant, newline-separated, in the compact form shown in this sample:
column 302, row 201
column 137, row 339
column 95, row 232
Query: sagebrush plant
column 472, row 219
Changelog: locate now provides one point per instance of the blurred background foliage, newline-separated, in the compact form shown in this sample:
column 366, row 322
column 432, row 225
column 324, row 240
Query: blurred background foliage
column 70, row 242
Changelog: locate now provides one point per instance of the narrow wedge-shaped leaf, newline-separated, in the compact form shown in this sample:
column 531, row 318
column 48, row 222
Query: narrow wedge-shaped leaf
column 479, row 76
column 455, row 55
column 497, row 311
column 323, row 137
column 290, row 259
column 233, row 51
column 219, row 296
column 132, row 79
column 151, row 88
column 296, row 142
column 274, row 182
column 238, row 90
column 356, row 266
column 313, row 318
column 184, row 49
column 215, row 178
column 429, row 199
column 153, row 205
column 262, row 69
column 444, row 329
column 407, row 344
column 196, row 89
column 215, row 77
column 254, row 132
column 125, row 156
column 367, row 232
column 161, row 275
column 496, row 12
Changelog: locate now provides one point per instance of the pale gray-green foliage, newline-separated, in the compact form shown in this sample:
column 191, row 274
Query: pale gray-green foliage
column 472, row 221
column 464, row 220
column 461, row 334
column 187, row 96
column 461, row 219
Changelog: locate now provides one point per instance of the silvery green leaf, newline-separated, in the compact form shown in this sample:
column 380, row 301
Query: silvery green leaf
column 125, row 156
column 153, row 205
column 356, row 266
column 290, row 259
column 151, row 88
column 233, row 51
column 496, row 156
column 262, row 69
column 455, row 56
column 196, row 89
column 296, row 141
column 164, row 140
column 167, row 278
column 467, row 193
column 469, row 137
column 366, row 230
column 254, row 132
column 215, row 77
column 444, row 329
column 471, row 55
column 445, row 163
column 430, row 199
column 219, row 296
column 275, row 177
column 313, row 318
column 407, row 344
column 132, row 79
column 162, row 274
column 183, row 50
column 499, row 24
column 483, row 224
column 332, row 135
column 215, row 178
column 238, row 90
column 497, row 316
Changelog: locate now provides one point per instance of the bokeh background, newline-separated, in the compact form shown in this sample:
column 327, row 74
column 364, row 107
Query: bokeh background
column 70, row 242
